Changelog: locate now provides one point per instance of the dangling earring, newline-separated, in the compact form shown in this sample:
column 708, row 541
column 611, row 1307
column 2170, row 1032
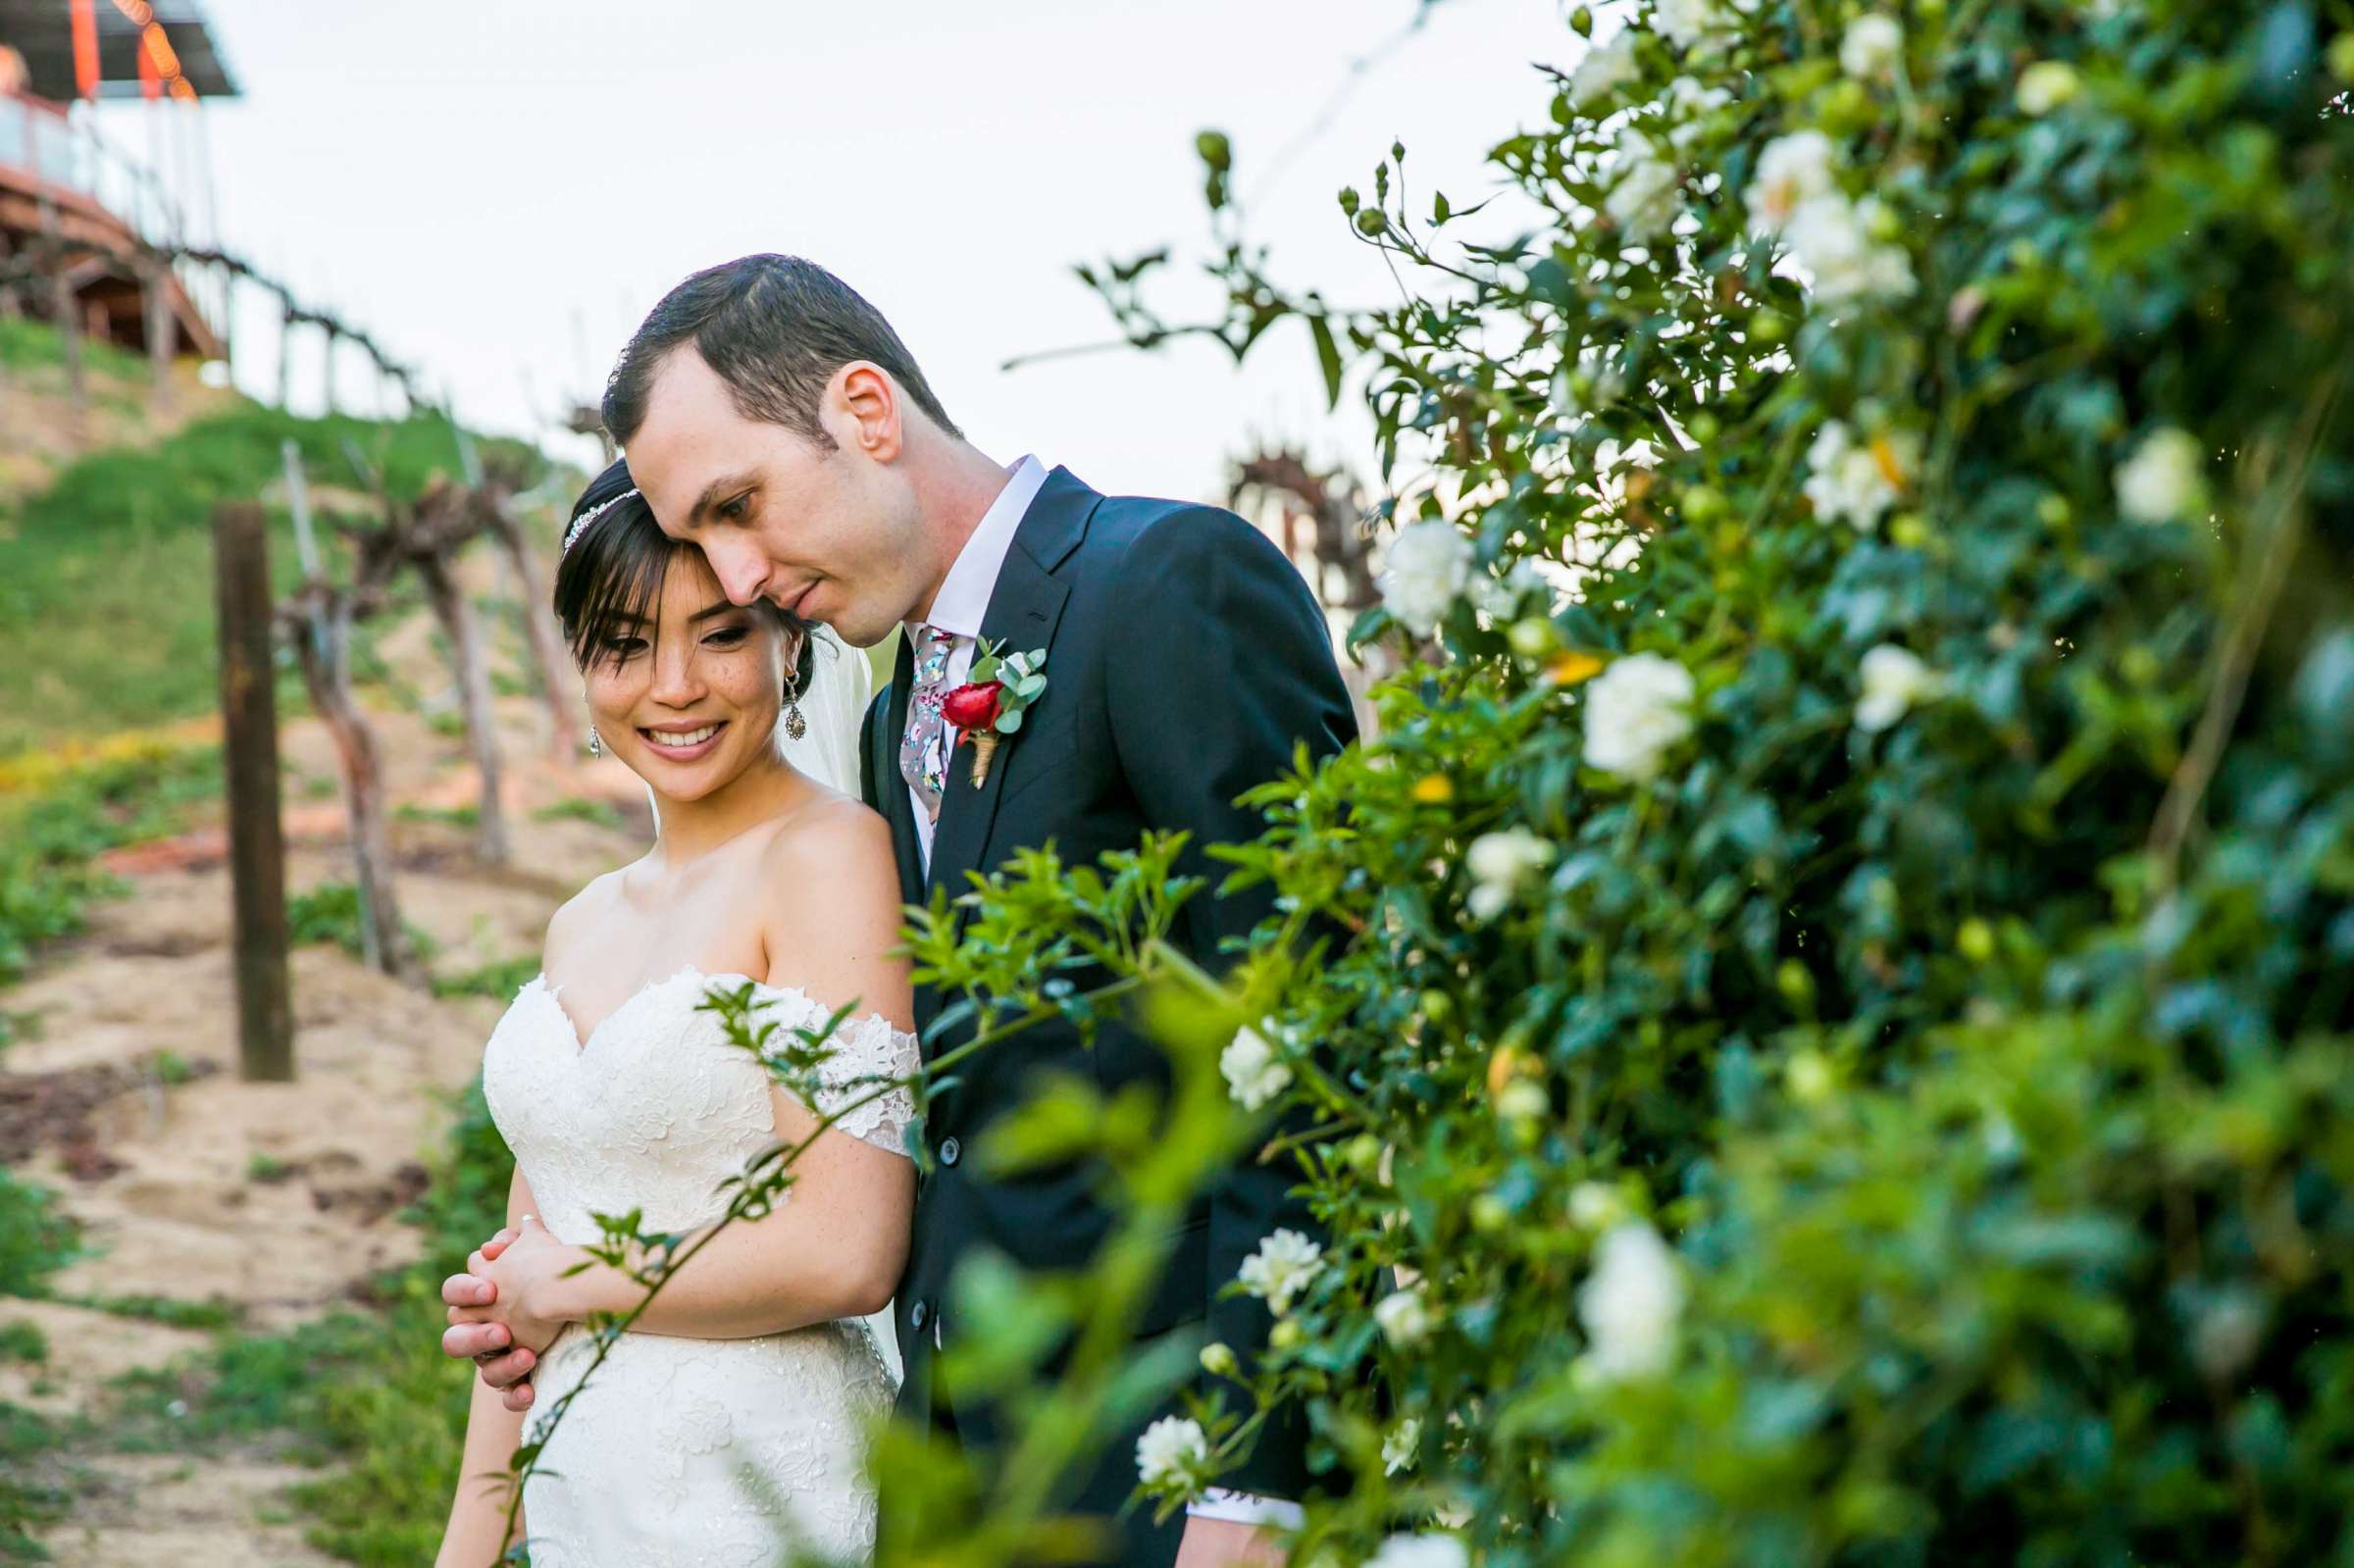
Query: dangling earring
column 596, row 742
column 795, row 726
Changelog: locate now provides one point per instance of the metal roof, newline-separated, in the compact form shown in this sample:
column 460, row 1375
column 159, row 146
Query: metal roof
column 42, row 32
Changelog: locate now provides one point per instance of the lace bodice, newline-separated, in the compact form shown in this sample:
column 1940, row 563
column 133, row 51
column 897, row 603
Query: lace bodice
column 715, row 1453
column 656, row 1108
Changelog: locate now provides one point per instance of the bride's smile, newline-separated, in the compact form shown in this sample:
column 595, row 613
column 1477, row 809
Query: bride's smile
column 683, row 744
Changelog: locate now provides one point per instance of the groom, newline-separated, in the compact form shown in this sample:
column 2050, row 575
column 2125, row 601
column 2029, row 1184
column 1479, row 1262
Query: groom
column 773, row 418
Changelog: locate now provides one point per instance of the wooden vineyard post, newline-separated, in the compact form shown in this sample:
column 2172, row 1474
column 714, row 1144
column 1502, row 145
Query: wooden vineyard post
column 473, row 670
column 495, row 501
column 319, row 622
column 249, row 751
column 540, row 629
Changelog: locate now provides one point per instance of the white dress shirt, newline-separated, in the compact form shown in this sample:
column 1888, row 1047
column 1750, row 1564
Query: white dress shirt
column 958, row 609
column 964, row 596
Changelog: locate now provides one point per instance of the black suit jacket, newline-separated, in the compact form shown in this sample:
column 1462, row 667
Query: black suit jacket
column 1186, row 661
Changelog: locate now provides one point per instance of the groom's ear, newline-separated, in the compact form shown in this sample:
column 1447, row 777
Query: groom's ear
column 865, row 403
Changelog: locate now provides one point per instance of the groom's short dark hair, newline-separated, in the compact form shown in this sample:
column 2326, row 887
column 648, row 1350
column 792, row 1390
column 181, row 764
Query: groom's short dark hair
column 775, row 328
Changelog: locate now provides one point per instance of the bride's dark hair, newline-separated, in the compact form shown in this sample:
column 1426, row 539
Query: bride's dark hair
column 609, row 582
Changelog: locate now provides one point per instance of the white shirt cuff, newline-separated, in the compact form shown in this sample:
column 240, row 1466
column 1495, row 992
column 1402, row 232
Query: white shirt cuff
column 1245, row 1508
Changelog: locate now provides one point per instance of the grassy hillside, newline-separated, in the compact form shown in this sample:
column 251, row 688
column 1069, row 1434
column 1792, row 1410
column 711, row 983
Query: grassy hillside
column 106, row 619
column 41, row 430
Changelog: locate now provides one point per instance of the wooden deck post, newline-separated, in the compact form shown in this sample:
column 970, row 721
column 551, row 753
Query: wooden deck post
column 249, row 753
column 61, row 305
column 163, row 329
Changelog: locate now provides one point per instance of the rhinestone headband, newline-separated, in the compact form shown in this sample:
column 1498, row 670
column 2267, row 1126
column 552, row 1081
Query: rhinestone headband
column 580, row 524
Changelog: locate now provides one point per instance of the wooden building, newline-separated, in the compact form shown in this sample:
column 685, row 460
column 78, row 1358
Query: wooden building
column 82, row 221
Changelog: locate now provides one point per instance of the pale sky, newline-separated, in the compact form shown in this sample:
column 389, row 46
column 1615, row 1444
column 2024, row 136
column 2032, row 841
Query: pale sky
column 472, row 177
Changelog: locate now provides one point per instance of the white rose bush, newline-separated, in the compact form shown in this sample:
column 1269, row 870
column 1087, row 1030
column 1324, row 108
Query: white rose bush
column 1819, row 1027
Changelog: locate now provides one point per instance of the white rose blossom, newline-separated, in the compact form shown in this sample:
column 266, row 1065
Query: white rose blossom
column 1254, row 1075
column 1635, row 711
column 1594, row 1206
column 1420, row 1552
column 1873, row 47
column 1523, row 1100
column 1500, row 865
column 1894, row 679
column 1173, row 1449
column 1832, row 238
column 2045, row 85
column 1685, row 22
column 1630, row 1305
column 1855, row 483
column 2165, row 479
column 1689, row 106
column 1285, row 1264
column 1402, row 1317
column 1792, row 171
column 1643, row 199
column 1402, row 1447
column 1606, row 67
column 1424, row 572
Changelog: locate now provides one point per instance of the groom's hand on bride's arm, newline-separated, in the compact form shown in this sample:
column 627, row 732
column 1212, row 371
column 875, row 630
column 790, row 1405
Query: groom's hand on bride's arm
column 478, row 1333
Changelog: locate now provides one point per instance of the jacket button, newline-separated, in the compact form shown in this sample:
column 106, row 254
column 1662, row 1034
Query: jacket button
column 951, row 1151
column 919, row 1314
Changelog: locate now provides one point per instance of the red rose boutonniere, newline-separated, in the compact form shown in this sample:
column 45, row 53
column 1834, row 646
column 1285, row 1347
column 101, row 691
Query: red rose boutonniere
column 989, row 707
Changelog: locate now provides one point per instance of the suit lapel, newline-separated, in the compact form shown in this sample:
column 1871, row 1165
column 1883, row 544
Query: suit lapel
column 1024, row 609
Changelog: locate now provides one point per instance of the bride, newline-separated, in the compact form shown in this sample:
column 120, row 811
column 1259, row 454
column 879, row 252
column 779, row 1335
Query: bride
column 726, row 1427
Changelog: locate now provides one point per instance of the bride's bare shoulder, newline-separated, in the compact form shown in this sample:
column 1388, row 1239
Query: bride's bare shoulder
column 833, row 836
column 831, row 915
column 581, row 910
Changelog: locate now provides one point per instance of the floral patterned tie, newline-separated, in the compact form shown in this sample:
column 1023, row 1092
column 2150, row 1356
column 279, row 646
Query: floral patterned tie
column 923, row 752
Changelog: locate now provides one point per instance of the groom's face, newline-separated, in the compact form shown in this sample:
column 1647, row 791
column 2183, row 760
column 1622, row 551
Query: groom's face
column 833, row 534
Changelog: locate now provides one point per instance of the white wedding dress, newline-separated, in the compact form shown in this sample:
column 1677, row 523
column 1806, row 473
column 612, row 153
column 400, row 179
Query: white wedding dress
column 716, row 1453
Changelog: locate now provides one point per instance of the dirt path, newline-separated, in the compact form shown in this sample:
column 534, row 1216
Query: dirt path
column 275, row 1200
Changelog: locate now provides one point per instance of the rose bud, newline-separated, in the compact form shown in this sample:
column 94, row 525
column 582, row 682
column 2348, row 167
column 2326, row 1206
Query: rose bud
column 974, row 705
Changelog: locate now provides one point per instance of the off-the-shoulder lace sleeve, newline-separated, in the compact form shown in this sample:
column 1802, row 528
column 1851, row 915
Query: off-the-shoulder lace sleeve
column 867, row 1054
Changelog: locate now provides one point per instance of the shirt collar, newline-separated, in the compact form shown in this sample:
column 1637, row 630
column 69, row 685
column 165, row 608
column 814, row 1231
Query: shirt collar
column 964, row 594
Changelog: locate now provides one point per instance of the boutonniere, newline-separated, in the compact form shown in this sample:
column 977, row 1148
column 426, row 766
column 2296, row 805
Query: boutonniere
column 989, row 707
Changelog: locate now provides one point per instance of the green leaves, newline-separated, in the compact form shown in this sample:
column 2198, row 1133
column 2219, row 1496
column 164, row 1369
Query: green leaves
column 1328, row 358
column 2002, row 1136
